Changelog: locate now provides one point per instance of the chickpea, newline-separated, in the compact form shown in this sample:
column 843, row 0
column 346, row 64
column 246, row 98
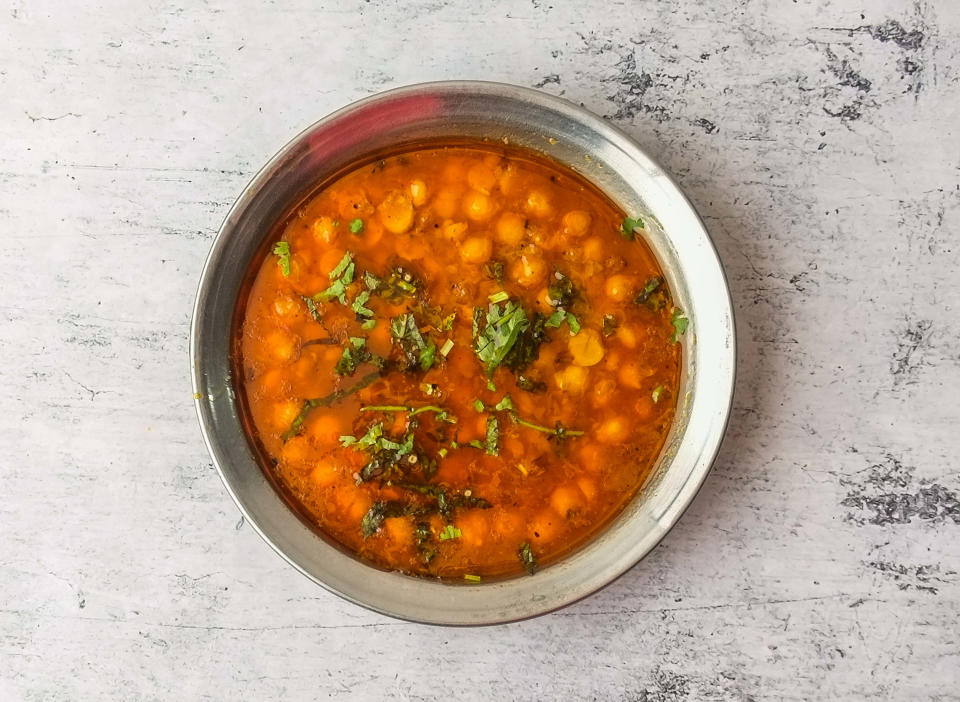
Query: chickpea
column 632, row 374
column 566, row 499
column 296, row 450
column 614, row 430
column 330, row 259
column 396, row 213
column 593, row 249
column 529, row 270
column 587, row 487
column 473, row 526
column 447, row 203
column 479, row 207
column 398, row 530
column 325, row 230
column 572, row 379
column 543, row 528
column 324, row 474
column 602, row 392
column 618, row 287
column 510, row 228
column 509, row 180
column 285, row 412
column 454, row 230
column 285, row 306
column 586, row 347
column 476, row 249
column 481, row 177
column 418, row 192
column 283, row 346
column 575, row 223
column 627, row 336
column 538, row 204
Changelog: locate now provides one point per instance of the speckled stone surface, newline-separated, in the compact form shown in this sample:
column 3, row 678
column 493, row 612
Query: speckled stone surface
column 820, row 142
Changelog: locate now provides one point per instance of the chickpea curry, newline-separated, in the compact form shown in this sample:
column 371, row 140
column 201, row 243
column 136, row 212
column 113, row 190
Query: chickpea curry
column 459, row 362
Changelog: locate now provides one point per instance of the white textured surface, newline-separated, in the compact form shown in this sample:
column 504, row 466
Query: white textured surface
column 821, row 145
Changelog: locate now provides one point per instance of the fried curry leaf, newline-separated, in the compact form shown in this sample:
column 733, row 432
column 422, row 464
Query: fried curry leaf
column 561, row 290
column 610, row 325
column 312, row 308
column 528, row 384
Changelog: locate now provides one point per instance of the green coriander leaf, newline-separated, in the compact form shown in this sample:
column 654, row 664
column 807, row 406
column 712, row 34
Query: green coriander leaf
column 499, row 296
column 478, row 405
column 446, row 348
column 505, row 404
column 311, row 308
column 356, row 226
column 492, row 443
column 359, row 303
column 555, row 319
column 490, row 386
column 442, row 453
column 371, row 281
column 657, row 392
column 282, row 251
column 369, row 324
column 358, row 342
column 427, row 355
column 573, row 323
column 629, row 225
column 680, row 323
column 347, row 440
column 450, row 532
column 447, row 323
column 527, row 557
column 472, row 578
column 341, row 267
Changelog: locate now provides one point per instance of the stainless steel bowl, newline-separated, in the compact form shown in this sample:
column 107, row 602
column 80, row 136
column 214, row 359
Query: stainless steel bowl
column 574, row 137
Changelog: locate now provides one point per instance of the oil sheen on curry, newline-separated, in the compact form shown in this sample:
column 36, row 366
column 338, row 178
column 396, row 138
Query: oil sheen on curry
column 460, row 362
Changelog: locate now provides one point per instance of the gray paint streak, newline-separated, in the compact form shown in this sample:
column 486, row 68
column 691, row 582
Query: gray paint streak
column 820, row 144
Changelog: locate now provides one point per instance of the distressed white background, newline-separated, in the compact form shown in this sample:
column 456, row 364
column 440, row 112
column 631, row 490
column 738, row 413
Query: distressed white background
column 818, row 139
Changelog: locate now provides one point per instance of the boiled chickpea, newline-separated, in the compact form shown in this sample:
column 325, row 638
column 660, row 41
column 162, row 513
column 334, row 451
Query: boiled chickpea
column 324, row 474
column 510, row 228
column 283, row 346
column 285, row 412
column 593, row 249
column 454, row 230
column 325, row 230
column 447, row 203
column 481, row 177
column 529, row 270
column 476, row 249
column 614, row 430
column 572, row 379
column 575, row 223
column 566, row 499
column 396, row 213
column 479, row 207
column 587, row 487
column 618, row 287
column 586, row 347
column 418, row 192
column 538, row 204
column 633, row 373
column 286, row 306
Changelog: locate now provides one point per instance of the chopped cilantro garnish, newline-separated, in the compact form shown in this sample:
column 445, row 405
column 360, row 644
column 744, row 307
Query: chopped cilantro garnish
column 499, row 296
column 371, row 281
column 356, row 226
column 500, row 332
column 282, row 251
column 442, row 453
column 657, row 392
column 472, row 578
column 527, row 558
column 559, row 317
column 490, row 386
column 492, row 443
column 427, row 355
column 312, row 308
column 341, row 267
column 680, row 323
column 629, row 225
column 478, row 405
column 450, row 532
column 505, row 404
column 369, row 324
column 359, row 303
column 446, row 348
